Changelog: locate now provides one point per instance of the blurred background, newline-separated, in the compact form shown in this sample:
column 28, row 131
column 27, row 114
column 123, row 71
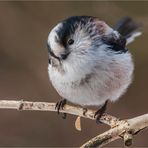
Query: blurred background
column 24, row 27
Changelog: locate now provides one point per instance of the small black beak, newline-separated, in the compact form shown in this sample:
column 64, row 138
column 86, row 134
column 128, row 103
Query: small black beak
column 64, row 55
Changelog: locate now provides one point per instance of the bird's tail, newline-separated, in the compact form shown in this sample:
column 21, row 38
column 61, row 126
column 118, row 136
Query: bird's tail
column 128, row 28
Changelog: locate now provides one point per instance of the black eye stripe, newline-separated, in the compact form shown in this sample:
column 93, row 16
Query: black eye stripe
column 69, row 27
column 51, row 52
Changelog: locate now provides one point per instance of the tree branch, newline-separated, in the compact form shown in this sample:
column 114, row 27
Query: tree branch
column 45, row 106
column 125, row 129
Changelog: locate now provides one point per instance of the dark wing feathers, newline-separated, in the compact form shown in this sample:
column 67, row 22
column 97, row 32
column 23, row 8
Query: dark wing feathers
column 126, row 26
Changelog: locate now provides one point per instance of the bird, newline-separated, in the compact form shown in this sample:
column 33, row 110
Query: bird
column 89, row 63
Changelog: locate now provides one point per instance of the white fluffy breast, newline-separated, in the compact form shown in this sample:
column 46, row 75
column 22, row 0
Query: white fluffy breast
column 93, row 78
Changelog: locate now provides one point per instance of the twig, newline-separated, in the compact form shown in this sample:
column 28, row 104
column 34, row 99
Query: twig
column 125, row 129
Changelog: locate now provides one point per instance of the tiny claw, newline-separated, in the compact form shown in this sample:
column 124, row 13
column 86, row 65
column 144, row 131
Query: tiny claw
column 60, row 105
column 98, row 114
column 84, row 111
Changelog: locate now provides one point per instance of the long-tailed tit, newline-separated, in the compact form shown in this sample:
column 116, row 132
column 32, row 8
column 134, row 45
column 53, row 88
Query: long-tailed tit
column 88, row 61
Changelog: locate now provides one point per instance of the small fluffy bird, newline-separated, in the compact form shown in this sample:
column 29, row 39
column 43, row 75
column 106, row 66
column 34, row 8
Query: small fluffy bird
column 89, row 63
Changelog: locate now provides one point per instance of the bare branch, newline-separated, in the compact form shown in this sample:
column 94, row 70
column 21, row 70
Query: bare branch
column 125, row 129
column 45, row 106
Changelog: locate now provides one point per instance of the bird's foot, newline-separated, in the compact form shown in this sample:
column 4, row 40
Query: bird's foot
column 60, row 105
column 100, row 112
column 84, row 111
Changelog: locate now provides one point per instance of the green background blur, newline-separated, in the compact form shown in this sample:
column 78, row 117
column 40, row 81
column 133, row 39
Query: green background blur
column 24, row 27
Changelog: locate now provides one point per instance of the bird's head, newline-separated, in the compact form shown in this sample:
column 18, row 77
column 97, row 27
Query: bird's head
column 76, row 35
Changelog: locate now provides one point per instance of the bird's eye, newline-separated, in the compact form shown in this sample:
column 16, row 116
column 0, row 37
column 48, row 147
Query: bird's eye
column 70, row 41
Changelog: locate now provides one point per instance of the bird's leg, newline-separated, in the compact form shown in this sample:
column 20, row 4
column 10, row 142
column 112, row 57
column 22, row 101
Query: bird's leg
column 100, row 112
column 60, row 105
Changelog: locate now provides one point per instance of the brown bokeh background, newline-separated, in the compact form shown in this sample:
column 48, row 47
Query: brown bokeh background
column 24, row 27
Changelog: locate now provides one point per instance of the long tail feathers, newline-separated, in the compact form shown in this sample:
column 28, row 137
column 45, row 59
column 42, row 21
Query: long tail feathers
column 128, row 28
